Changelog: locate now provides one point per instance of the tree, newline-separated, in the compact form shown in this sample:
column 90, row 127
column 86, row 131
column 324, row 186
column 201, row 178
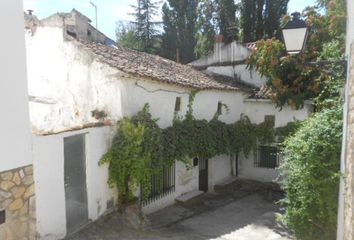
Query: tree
column 179, row 38
column 289, row 77
column 145, row 26
column 226, row 19
column 126, row 36
column 261, row 18
column 206, row 28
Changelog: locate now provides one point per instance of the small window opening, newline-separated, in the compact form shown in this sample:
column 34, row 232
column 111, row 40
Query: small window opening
column 195, row 162
column 268, row 157
column 270, row 118
column 2, row 217
column 219, row 108
column 88, row 32
column 178, row 104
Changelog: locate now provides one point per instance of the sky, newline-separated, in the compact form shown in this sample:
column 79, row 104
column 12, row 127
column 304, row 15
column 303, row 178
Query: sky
column 109, row 12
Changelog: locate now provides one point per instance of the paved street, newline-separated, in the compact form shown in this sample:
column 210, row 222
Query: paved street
column 242, row 215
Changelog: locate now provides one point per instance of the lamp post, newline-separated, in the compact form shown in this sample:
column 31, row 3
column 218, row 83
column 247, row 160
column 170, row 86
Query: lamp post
column 95, row 6
column 295, row 34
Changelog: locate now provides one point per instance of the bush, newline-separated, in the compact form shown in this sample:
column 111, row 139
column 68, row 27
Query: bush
column 311, row 172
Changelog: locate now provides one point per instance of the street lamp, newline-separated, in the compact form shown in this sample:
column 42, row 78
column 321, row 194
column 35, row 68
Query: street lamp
column 295, row 34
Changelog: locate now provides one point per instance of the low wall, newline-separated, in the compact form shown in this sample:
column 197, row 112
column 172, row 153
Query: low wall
column 18, row 201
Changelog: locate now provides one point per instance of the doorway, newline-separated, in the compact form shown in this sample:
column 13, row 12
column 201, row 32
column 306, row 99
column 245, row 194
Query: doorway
column 75, row 182
column 203, row 175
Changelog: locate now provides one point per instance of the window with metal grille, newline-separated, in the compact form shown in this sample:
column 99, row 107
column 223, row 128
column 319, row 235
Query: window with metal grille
column 267, row 157
column 161, row 185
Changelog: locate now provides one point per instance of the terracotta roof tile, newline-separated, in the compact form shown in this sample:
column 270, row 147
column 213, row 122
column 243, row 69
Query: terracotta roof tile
column 155, row 67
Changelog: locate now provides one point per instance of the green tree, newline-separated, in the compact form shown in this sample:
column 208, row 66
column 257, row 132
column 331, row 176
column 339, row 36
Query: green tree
column 226, row 19
column 261, row 18
column 145, row 26
column 126, row 36
column 311, row 172
column 206, row 28
column 179, row 37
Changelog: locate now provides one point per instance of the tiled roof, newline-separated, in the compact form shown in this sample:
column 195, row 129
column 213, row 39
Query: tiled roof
column 155, row 67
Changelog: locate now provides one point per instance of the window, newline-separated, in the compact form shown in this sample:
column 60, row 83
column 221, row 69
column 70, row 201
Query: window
column 267, row 157
column 178, row 104
column 270, row 118
column 161, row 185
column 195, row 161
column 2, row 217
column 219, row 108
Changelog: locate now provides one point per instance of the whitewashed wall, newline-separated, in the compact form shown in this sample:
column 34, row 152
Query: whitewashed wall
column 15, row 138
column 256, row 110
column 219, row 170
column 48, row 155
column 240, row 72
column 232, row 52
column 66, row 84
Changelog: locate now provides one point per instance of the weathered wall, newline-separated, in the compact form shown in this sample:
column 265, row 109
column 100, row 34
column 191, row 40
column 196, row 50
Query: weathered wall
column 49, row 174
column 348, row 231
column 15, row 140
column 257, row 109
column 18, row 200
column 72, row 84
column 233, row 52
column 345, row 207
column 240, row 72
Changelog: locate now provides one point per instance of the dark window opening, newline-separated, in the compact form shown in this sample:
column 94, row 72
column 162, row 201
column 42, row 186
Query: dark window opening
column 267, row 157
column 219, row 108
column 2, row 217
column 270, row 118
column 88, row 33
column 195, row 162
column 178, row 104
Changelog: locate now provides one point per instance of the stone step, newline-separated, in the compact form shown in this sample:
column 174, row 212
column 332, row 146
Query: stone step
column 188, row 196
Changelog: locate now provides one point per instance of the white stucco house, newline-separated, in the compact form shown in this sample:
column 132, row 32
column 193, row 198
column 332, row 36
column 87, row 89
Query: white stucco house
column 74, row 73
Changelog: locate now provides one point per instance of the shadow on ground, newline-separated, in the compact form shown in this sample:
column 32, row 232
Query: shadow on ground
column 243, row 210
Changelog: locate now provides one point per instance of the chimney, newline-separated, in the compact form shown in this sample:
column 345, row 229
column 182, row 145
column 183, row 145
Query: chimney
column 30, row 11
column 218, row 43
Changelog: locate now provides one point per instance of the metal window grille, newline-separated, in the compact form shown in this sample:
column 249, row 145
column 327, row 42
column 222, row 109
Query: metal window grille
column 161, row 185
column 267, row 157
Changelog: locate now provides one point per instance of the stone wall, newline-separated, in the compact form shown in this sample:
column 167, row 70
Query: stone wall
column 349, row 180
column 17, row 199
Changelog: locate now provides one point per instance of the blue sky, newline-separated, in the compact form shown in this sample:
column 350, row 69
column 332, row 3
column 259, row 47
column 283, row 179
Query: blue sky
column 109, row 11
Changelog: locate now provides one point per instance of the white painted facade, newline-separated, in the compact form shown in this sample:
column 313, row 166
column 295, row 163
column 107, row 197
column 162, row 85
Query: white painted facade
column 15, row 137
column 49, row 179
column 230, row 60
column 66, row 82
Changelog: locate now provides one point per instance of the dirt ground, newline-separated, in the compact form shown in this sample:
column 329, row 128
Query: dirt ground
column 245, row 213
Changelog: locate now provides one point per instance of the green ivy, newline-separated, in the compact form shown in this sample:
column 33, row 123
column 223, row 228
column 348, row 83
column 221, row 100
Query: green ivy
column 140, row 148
